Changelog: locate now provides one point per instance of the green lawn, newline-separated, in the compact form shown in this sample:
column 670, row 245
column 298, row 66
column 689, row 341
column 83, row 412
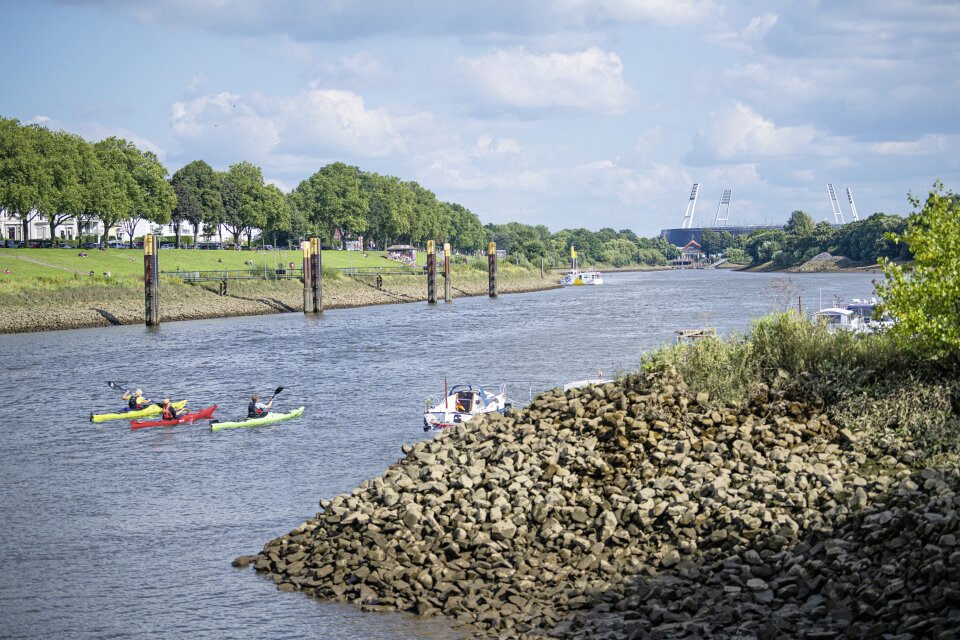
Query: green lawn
column 65, row 263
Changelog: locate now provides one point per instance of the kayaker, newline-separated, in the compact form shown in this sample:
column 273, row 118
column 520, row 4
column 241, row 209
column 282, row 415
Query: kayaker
column 257, row 409
column 168, row 411
column 135, row 400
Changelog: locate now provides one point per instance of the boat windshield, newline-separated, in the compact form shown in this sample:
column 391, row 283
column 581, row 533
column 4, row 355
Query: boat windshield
column 464, row 401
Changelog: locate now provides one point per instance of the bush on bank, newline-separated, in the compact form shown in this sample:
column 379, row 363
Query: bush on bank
column 885, row 390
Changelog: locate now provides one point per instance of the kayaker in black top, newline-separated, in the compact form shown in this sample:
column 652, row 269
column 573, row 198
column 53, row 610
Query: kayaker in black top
column 135, row 400
column 257, row 409
column 169, row 411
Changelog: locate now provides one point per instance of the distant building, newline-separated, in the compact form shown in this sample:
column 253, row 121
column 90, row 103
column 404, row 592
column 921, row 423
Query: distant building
column 680, row 237
column 690, row 256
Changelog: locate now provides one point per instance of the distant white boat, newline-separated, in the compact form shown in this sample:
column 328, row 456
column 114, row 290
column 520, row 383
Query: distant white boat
column 840, row 319
column 462, row 402
column 575, row 277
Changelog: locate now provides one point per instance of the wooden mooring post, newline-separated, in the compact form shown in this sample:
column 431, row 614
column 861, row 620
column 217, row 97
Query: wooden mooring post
column 307, row 280
column 447, row 297
column 151, row 280
column 541, row 267
column 316, row 275
column 431, row 272
column 492, row 268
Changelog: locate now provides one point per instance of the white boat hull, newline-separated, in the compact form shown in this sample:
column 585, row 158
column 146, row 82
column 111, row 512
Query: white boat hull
column 580, row 278
column 461, row 405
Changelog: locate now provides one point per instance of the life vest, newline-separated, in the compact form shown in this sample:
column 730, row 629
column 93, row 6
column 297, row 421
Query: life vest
column 134, row 402
column 252, row 411
column 170, row 413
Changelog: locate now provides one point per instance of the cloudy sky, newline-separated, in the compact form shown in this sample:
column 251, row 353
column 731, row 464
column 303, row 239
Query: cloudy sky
column 571, row 113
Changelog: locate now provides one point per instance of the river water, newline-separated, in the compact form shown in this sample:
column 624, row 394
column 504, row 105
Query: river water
column 111, row 533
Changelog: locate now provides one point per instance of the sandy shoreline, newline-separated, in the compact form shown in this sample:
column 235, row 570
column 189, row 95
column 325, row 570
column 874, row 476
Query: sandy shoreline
column 185, row 302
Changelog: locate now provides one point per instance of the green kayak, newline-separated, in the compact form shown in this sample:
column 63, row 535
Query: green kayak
column 152, row 410
column 270, row 418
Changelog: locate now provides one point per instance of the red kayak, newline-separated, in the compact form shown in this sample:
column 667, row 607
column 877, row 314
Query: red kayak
column 202, row 414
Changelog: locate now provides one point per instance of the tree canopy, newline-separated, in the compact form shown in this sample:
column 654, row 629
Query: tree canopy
column 925, row 298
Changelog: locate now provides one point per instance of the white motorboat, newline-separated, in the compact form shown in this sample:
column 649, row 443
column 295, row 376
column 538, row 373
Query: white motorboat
column 462, row 402
column 840, row 319
column 575, row 277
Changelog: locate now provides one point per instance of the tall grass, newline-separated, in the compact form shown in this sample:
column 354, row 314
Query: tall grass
column 880, row 387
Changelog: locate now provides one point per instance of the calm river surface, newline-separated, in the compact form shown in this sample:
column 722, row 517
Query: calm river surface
column 111, row 533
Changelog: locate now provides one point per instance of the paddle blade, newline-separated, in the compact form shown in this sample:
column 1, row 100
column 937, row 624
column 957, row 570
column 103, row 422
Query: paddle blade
column 279, row 389
column 115, row 385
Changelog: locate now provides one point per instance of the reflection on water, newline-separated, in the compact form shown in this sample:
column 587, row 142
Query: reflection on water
column 113, row 533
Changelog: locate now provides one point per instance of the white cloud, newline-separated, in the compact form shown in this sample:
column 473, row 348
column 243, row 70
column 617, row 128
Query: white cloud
column 487, row 145
column 930, row 144
column 738, row 133
column 665, row 12
column 591, row 80
column 317, row 122
column 748, row 38
column 38, row 119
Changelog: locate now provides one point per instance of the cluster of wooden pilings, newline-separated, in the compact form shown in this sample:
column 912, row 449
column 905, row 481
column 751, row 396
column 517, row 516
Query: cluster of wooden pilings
column 447, row 282
column 312, row 276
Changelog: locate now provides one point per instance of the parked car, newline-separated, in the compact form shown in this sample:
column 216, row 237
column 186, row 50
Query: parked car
column 11, row 244
column 114, row 244
column 90, row 245
column 167, row 245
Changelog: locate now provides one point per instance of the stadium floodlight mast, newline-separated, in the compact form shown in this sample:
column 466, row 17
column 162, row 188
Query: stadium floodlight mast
column 724, row 200
column 853, row 206
column 837, row 214
column 691, row 207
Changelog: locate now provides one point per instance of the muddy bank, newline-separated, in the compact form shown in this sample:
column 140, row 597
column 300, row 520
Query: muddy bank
column 636, row 509
column 105, row 306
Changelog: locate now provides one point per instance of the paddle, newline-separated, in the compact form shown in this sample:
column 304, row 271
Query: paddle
column 115, row 385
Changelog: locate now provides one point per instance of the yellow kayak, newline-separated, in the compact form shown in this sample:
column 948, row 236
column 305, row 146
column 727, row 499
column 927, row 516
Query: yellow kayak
column 151, row 410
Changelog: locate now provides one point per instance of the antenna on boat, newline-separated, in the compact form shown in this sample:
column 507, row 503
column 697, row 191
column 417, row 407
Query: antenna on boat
column 573, row 258
column 446, row 394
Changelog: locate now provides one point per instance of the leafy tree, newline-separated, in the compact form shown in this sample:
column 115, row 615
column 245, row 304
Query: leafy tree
column 925, row 300
column 110, row 196
column 429, row 221
column 247, row 210
column 466, row 230
column 151, row 196
column 333, row 200
column 188, row 208
column 276, row 211
column 204, row 183
column 23, row 173
column 868, row 240
column 737, row 256
column 230, row 197
column 799, row 224
column 69, row 159
column 391, row 213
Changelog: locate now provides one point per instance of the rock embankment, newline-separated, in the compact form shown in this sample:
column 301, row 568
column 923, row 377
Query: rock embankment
column 124, row 305
column 635, row 510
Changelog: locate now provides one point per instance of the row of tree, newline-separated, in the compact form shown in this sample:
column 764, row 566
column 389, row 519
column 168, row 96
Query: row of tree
column 801, row 239
column 606, row 246
column 58, row 176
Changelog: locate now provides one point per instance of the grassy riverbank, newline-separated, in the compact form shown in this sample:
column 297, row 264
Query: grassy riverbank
column 41, row 303
column 787, row 483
